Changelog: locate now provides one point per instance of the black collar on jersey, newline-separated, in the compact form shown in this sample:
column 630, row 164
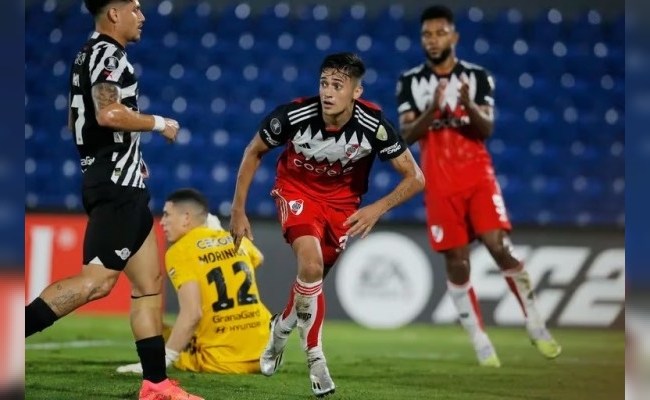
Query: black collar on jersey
column 458, row 68
column 106, row 38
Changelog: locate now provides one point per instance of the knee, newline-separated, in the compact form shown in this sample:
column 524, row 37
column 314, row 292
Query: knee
column 96, row 287
column 456, row 260
column 310, row 270
column 457, row 267
column 145, row 287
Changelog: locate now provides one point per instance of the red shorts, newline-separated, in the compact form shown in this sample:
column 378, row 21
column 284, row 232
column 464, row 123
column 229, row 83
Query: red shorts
column 455, row 220
column 301, row 215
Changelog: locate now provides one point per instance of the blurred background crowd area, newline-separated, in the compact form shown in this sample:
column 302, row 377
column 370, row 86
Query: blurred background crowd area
column 219, row 67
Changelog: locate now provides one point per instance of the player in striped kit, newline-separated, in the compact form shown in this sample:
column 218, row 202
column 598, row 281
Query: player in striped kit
column 106, row 123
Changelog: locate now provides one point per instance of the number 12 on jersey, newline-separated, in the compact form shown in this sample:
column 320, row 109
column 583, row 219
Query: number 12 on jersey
column 243, row 296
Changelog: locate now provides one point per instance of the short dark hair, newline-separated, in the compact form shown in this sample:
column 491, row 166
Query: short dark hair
column 347, row 63
column 190, row 195
column 95, row 7
column 437, row 12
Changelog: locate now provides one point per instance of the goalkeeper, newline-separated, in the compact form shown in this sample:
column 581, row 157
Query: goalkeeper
column 222, row 326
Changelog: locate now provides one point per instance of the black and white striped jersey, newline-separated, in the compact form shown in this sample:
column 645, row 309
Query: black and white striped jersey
column 105, row 155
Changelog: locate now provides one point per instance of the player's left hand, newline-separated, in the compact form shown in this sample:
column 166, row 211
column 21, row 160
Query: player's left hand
column 363, row 220
column 463, row 91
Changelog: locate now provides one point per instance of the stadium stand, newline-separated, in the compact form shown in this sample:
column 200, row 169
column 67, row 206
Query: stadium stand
column 558, row 146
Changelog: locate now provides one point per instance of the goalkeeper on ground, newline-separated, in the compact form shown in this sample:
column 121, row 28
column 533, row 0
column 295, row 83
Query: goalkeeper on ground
column 223, row 325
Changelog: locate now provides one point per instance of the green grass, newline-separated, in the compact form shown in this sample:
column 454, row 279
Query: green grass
column 418, row 362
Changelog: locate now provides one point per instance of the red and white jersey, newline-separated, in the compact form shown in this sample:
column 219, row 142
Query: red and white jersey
column 332, row 165
column 453, row 157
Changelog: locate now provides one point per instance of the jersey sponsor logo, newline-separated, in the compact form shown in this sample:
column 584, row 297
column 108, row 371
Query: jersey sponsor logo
column 243, row 327
column 333, row 170
column 218, row 318
column 276, row 126
column 81, row 57
column 450, row 122
column 296, row 206
column 391, row 149
column 384, row 281
column 208, row 243
column 574, row 285
column 123, row 254
column 87, row 161
column 269, row 139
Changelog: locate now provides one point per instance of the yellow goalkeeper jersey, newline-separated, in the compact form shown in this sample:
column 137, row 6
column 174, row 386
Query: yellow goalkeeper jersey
column 235, row 323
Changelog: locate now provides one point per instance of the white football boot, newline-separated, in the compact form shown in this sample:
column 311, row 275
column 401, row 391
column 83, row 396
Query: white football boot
column 271, row 357
column 321, row 381
column 485, row 352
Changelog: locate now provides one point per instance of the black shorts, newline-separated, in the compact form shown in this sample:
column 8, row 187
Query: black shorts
column 119, row 221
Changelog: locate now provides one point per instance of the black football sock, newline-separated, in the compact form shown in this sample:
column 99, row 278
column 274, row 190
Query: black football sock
column 38, row 316
column 152, row 356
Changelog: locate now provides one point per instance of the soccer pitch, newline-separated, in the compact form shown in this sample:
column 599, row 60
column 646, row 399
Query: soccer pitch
column 77, row 357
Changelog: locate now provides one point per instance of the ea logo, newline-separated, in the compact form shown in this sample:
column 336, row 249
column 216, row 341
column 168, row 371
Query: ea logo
column 384, row 281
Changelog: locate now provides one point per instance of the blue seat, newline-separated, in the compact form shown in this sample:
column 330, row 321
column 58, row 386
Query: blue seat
column 583, row 30
column 558, row 145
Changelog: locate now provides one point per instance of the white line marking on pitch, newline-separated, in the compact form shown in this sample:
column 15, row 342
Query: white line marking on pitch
column 77, row 344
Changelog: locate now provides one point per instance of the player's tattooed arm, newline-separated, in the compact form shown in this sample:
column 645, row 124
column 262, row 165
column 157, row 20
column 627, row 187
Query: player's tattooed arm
column 412, row 180
column 105, row 94
column 111, row 113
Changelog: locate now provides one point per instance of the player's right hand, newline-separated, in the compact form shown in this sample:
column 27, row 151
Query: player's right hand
column 439, row 94
column 171, row 130
column 240, row 227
